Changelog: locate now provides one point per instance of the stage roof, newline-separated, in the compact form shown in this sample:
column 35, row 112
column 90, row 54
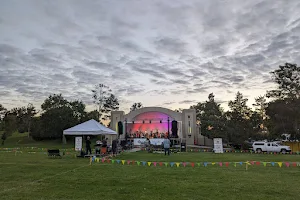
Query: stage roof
column 91, row 127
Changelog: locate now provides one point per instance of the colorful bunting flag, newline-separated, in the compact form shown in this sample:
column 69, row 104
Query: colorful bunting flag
column 287, row 164
column 226, row 164
column 154, row 163
column 149, row 163
column 221, row 164
column 184, row 164
column 193, row 164
column 265, row 164
column 123, row 162
column 166, row 164
column 279, row 164
column 177, row 164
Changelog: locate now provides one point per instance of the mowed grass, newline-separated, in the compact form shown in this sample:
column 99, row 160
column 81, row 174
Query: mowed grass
column 34, row 176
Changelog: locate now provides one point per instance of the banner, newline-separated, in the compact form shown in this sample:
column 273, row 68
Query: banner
column 78, row 143
column 218, row 145
column 141, row 141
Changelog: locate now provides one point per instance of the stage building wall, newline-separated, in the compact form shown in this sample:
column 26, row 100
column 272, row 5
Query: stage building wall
column 159, row 120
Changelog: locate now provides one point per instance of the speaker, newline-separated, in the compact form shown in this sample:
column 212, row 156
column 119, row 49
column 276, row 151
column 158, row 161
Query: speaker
column 174, row 129
column 120, row 128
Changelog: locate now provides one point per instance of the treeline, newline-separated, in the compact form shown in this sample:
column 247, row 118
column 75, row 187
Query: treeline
column 268, row 120
column 56, row 115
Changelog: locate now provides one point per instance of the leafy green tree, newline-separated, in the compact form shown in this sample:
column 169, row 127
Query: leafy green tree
column 284, row 110
column 57, row 115
column 10, row 125
column 239, row 126
column 287, row 78
column 211, row 117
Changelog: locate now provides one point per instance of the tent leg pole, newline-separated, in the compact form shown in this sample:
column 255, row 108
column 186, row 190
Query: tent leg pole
column 64, row 140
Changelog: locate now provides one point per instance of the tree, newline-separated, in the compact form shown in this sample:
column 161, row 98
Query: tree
column 111, row 104
column 57, row 115
column 260, row 106
column 2, row 114
column 287, row 78
column 284, row 109
column 211, row 117
column 239, row 127
column 10, row 125
column 136, row 106
column 105, row 101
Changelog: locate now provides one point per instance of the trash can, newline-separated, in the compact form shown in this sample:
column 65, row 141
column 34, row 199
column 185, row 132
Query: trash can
column 183, row 147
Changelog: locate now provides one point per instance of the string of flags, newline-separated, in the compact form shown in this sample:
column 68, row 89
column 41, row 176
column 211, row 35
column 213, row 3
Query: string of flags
column 234, row 151
column 192, row 164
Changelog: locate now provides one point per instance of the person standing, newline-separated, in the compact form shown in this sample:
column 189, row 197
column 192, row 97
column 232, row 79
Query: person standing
column 167, row 144
column 114, row 146
column 88, row 145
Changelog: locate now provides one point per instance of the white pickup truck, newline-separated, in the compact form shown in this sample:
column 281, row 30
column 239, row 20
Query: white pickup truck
column 270, row 147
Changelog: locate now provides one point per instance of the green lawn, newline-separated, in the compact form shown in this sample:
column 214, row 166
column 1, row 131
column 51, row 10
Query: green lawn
column 34, row 176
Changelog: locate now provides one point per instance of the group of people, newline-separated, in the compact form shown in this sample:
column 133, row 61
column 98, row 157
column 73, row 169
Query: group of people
column 166, row 145
column 140, row 134
column 103, row 145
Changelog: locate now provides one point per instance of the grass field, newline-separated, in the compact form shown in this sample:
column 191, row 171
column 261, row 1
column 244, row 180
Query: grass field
column 34, row 176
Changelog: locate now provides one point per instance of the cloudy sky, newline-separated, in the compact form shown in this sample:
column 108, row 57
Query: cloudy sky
column 170, row 53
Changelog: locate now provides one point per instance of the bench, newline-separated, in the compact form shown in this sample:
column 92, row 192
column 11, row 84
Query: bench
column 54, row 153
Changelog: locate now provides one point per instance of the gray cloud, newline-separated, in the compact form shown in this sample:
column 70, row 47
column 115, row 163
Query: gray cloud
column 162, row 49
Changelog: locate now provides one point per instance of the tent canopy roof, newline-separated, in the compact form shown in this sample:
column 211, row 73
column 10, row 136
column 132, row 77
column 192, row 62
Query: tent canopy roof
column 91, row 127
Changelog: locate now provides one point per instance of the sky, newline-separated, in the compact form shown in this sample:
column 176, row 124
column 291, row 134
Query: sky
column 169, row 53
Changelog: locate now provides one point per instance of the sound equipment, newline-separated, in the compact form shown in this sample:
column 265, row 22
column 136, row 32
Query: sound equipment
column 120, row 128
column 174, row 129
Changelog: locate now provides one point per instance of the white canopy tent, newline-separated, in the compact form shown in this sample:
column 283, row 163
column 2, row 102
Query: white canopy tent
column 91, row 127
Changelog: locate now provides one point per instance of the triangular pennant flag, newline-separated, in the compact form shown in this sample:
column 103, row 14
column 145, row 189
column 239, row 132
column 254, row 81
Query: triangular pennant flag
column 103, row 160
column 98, row 160
column 144, row 163
column 265, row 164
column 213, row 163
column 226, row 164
column 193, row 164
column 298, row 164
column 294, row 164
column 133, row 162
column 123, row 162
column 160, row 164
column 154, row 163
column 287, row 164
column 241, row 163
column 149, row 163
column 198, row 164
column 118, row 161
column 257, row 163
column 280, row 164
column 177, row 164
column 252, row 162
column 205, row 164
column 272, row 163
column 184, row 164
column 138, row 163
column 234, row 164
column 171, row 164
column 128, row 162
column 221, row 164
column 166, row 164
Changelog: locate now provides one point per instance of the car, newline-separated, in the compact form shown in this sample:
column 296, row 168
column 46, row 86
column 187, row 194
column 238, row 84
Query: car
column 262, row 146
